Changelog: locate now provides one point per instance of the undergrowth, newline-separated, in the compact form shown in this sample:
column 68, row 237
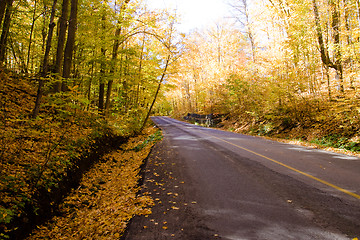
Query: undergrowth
column 107, row 196
column 326, row 123
column 338, row 141
column 42, row 158
column 157, row 136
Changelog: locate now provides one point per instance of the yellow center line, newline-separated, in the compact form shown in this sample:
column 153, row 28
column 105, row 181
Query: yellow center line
column 291, row 168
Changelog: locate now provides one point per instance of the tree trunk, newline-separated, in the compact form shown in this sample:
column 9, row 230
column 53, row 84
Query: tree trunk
column 90, row 82
column 126, row 87
column 17, row 54
column 45, row 62
column 101, row 96
column 30, row 37
column 335, row 24
column 61, row 42
column 358, row 17
column 328, row 81
column 249, row 30
column 2, row 9
column 140, row 72
column 156, row 94
column 112, row 69
column 49, row 40
column 113, row 59
column 323, row 51
column 102, row 67
column 39, row 94
column 102, row 82
column 5, row 31
column 108, row 94
column 70, row 43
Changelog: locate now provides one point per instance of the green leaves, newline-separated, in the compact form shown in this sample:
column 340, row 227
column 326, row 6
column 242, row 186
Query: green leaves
column 155, row 137
column 338, row 141
column 6, row 215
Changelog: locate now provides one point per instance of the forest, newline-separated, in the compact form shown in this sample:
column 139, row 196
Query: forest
column 79, row 78
column 289, row 70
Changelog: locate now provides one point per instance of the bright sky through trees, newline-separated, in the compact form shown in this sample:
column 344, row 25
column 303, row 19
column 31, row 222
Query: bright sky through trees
column 194, row 13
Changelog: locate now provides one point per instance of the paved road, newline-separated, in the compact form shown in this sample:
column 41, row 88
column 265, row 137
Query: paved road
column 233, row 186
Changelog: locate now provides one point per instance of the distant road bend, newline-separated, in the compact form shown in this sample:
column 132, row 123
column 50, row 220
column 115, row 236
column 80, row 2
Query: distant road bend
column 251, row 188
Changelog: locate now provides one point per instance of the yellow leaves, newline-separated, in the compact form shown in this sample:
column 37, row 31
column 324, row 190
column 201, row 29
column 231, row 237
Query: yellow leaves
column 105, row 201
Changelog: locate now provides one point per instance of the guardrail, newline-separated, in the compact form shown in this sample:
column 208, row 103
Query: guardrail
column 201, row 119
column 209, row 120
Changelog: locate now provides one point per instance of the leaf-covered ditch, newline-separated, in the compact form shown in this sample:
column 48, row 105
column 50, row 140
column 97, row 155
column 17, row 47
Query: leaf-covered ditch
column 35, row 178
column 98, row 179
column 107, row 196
column 43, row 159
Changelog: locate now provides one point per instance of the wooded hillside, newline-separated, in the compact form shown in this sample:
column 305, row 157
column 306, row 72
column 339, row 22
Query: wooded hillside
column 78, row 79
column 284, row 68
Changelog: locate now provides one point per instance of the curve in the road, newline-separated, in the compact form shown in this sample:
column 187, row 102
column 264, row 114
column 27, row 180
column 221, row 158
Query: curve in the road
column 291, row 168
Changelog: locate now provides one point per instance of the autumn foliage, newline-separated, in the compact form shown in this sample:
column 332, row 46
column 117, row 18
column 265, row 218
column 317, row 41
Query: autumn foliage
column 288, row 70
column 107, row 197
column 79, row 78
column 41, row 159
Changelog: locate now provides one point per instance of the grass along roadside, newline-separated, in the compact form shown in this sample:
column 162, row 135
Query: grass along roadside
column 331, row 142
column 107, row 197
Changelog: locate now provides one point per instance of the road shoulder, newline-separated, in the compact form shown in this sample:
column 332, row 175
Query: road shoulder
column 174, row 215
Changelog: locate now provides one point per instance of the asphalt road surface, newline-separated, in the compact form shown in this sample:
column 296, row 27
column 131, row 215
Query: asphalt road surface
column 213, row 184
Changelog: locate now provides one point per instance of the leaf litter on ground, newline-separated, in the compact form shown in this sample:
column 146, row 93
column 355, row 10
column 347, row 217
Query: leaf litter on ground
column 106, row 199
